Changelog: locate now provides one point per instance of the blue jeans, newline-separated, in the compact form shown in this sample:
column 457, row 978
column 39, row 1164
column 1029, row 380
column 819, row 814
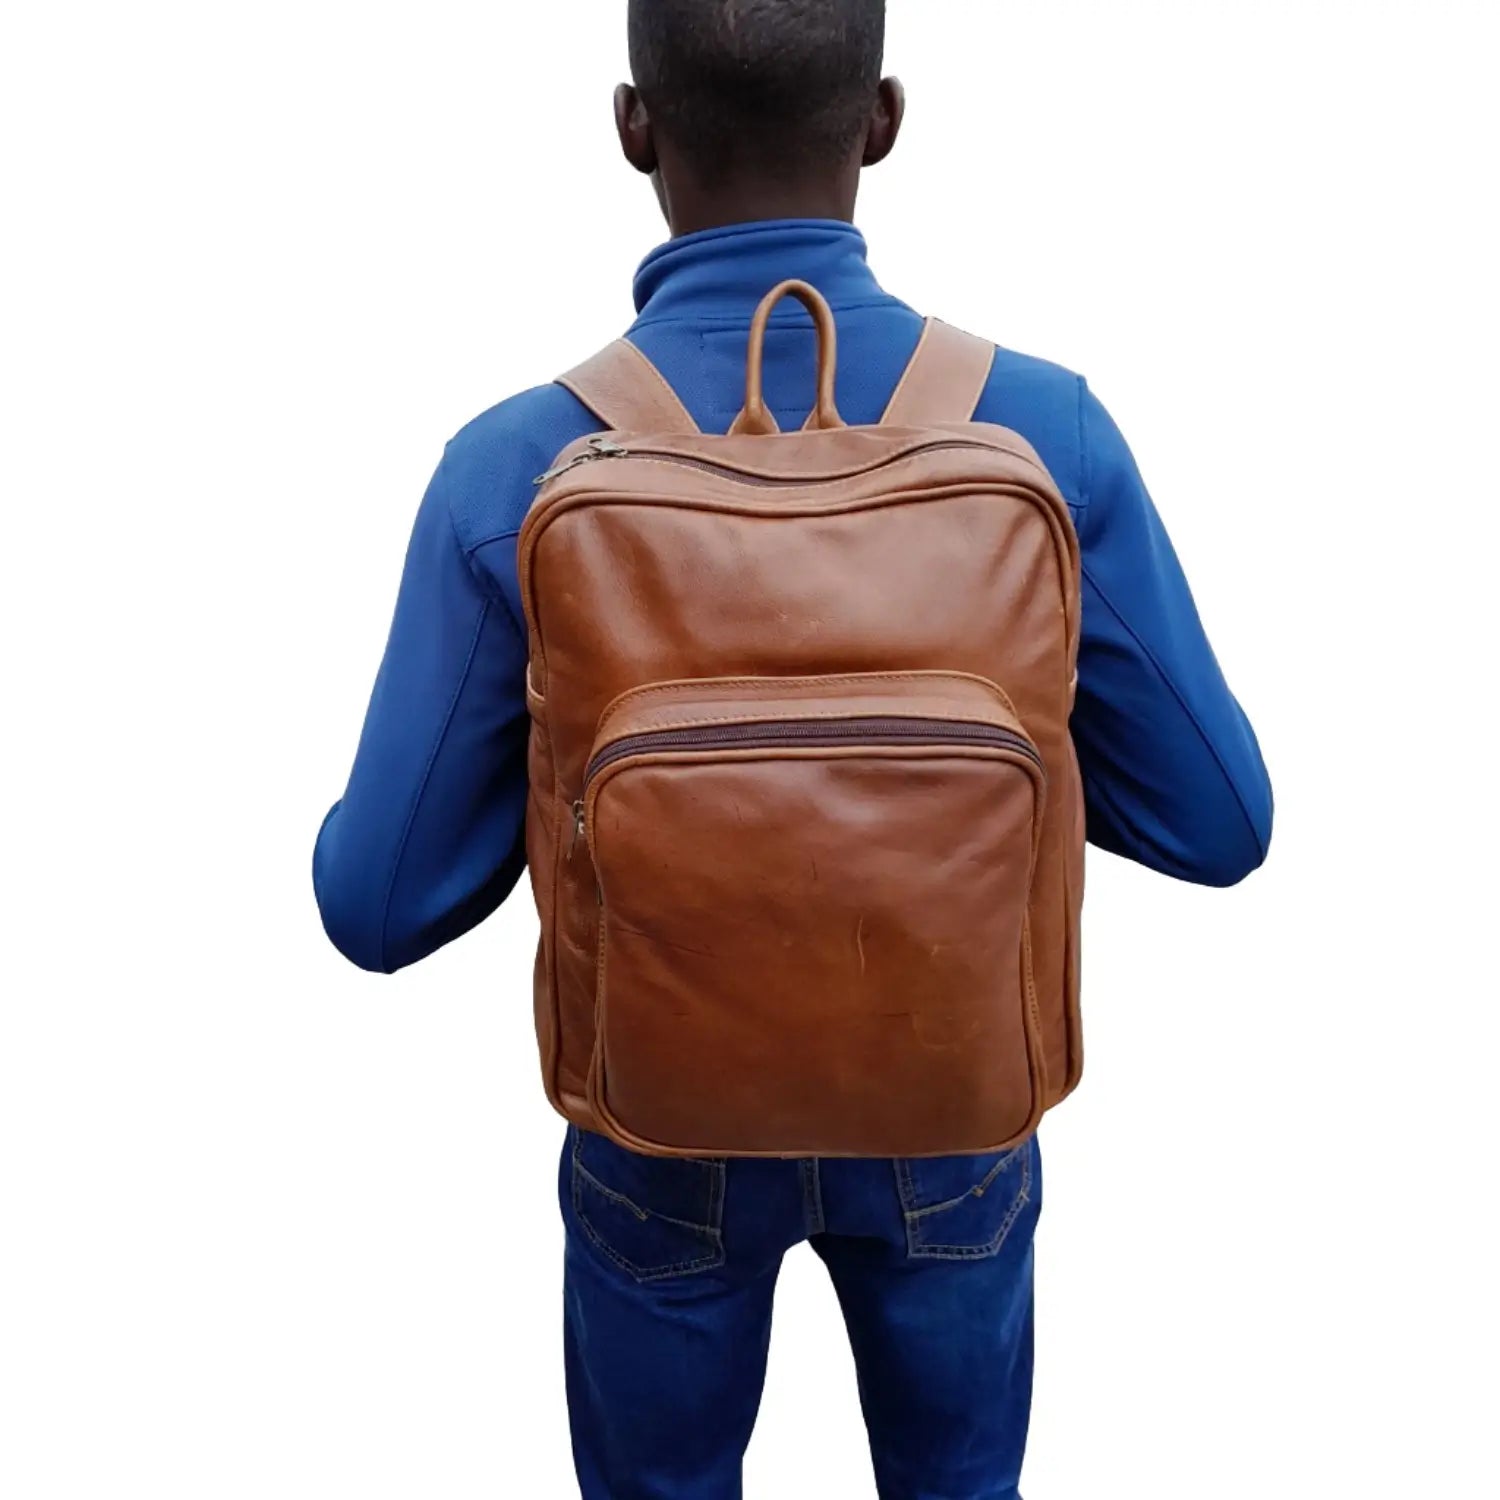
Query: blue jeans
column 671, row 1270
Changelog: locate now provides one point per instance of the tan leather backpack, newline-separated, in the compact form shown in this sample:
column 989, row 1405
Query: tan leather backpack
column 806, row 827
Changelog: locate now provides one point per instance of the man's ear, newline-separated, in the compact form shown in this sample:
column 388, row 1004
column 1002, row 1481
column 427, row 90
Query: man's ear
column 885, row 121
column 634, row 127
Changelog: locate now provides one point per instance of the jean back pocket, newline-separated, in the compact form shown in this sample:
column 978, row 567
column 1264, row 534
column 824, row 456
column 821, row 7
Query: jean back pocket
column 654, row 1217
column 966, row 1207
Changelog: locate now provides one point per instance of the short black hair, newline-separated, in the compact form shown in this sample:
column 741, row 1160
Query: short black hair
column 778, row 88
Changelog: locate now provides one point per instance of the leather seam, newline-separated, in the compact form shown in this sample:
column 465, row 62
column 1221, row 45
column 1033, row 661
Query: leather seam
column 554, row 965
column 662, row 386
column 984, row 385
column 662, row 399
column 594, row 1080
column 1033, row 1004
column 826, row 718
column 955, row 359
column 839, row 678
column 962, row 489
column 685, row 688
column 906, row 374
column 925, row 434
column 811, row 480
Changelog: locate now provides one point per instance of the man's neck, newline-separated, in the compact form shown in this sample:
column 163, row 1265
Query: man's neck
column 691, row 208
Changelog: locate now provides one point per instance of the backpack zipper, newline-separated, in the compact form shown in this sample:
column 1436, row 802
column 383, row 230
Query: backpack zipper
column 801, row 734
column 605, row 448
column 812, row 734
column 599, row 447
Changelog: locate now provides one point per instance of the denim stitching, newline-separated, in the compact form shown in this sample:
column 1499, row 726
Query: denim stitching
column 714, row 1258
column 904, row 1185
column 812, row 1197
column 978, row 1191
column 714, row 1191
column 707, row 1262
column 715, row 1226
column 713, row 1230
column 919, row 1250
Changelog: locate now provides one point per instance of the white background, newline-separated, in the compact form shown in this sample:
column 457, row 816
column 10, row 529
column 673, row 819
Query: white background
column 276, row 1228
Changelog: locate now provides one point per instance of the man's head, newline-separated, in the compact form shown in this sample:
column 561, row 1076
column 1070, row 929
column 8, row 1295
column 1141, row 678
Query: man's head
column 753, row 109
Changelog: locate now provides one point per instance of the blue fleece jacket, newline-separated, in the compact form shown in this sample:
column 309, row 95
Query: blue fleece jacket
column 427, row 840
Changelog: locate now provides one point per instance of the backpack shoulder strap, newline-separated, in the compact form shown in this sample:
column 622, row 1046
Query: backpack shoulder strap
column 627, row 392
column 945, row 379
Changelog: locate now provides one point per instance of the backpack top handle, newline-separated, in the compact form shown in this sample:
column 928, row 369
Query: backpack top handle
column 756, row 418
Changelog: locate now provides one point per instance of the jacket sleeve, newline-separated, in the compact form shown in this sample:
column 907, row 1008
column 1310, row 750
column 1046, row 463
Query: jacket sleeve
column 1173, row 777
column 428, row 838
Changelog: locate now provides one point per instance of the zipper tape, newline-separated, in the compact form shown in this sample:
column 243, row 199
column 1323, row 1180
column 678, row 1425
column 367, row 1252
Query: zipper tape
column 813, row 734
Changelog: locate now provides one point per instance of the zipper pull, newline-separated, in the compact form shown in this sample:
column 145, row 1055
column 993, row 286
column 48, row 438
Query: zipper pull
column 578, row 828
column 599, row 447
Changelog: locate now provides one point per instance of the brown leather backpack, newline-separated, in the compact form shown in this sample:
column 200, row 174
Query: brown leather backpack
column 806, row 826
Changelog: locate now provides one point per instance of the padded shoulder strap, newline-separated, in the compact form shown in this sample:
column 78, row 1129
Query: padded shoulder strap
column 627, row 392
column 945, row 379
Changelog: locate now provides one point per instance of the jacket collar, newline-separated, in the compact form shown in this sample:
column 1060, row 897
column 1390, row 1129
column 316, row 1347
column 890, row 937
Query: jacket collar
column 725, row 272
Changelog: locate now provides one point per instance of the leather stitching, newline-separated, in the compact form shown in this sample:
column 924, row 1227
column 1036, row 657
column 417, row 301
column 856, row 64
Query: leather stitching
column 911, row 364
column 698, row 686
column 1039, row 1056
column 824, row 718
column 554, row 977
column 661, row 404
column 946, row 354
column 671, row 401
column 933, row 432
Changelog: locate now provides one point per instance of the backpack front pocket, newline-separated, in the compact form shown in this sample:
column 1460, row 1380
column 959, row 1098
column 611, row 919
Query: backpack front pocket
column 813, row 928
